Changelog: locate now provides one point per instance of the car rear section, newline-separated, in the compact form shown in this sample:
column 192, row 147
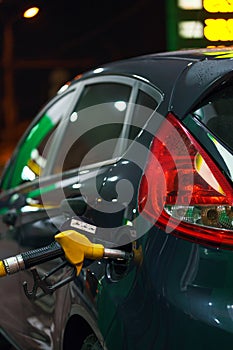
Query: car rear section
column 188, row 254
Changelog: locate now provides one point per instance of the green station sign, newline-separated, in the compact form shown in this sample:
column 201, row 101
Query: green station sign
column 199, row 23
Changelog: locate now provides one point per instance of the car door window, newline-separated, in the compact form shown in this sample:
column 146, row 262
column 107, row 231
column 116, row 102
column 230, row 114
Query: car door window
column 94, row 126
column 30, row 158
column 107, row 117
column 144, row 107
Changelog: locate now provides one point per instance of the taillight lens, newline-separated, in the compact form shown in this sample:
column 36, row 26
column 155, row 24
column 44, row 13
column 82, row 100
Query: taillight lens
column 183, row 191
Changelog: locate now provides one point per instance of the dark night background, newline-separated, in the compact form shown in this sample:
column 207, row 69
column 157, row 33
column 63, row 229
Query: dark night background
column 67, row 38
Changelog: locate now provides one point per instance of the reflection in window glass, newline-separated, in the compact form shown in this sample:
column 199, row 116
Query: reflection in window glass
column 216, row 112
column 145, row 106
column 31, row 156
column 95, row 125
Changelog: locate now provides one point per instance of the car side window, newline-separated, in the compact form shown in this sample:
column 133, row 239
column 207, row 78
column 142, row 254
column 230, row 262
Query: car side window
column 30, row 157
column 95, row 125
column 145, row 105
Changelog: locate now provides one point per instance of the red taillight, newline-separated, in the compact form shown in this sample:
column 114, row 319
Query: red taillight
column 183, row 191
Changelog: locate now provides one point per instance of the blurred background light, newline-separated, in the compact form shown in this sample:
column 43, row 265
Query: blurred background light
column 31, row 12
column 190, row 4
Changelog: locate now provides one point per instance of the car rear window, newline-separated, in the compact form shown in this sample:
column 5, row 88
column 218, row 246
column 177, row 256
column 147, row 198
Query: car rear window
column 216, row 112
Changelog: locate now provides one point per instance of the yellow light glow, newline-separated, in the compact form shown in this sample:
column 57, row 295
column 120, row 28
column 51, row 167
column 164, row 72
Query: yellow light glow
column 31, row 12
column 219, row 29
column 214, row 6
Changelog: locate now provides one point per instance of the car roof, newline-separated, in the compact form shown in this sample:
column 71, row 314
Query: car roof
column 184, row 77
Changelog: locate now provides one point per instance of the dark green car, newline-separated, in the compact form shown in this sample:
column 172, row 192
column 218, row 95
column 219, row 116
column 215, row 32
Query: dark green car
column 138, row 156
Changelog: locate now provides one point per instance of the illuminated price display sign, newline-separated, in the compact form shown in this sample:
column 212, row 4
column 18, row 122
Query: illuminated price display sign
column 199, row 23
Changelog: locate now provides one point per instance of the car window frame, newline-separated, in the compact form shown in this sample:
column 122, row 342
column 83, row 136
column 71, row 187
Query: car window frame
column 136, row 84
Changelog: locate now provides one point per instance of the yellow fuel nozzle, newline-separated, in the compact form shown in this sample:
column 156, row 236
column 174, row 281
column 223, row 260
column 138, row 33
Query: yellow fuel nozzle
column 72, row 245
column 77, row 247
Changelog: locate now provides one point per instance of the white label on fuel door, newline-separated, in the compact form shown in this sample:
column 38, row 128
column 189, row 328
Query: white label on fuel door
column 80, row 225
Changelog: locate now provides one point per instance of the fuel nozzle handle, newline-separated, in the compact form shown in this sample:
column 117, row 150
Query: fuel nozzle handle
column 77, row 247
column 71, row 245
